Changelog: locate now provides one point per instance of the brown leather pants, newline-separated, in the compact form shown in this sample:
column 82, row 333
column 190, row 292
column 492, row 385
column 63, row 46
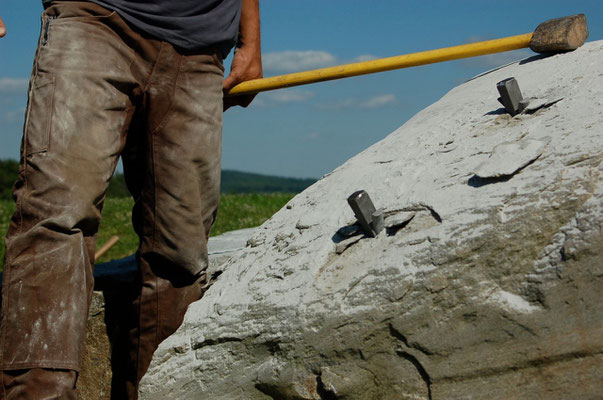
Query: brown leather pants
column 100, row 89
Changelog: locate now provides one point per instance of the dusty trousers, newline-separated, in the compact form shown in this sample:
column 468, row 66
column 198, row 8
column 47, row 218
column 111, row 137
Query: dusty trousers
column 100, row 89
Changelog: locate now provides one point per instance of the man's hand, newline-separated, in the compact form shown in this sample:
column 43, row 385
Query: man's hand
column 2, row 28
column 247, row 61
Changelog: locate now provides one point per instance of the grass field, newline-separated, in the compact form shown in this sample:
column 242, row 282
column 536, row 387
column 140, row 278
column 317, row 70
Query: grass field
column 237, row 211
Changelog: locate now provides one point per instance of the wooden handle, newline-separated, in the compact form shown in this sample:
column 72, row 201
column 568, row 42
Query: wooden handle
column 105, row 248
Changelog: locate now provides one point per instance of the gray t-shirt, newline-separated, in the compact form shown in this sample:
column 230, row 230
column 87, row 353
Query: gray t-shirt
column 187, row 24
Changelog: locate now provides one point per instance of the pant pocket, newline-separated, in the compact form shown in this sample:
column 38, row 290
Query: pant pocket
column 39, row 116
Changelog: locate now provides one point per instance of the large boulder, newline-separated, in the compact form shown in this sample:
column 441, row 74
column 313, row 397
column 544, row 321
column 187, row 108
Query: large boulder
column 112, row 286
column 486, row 283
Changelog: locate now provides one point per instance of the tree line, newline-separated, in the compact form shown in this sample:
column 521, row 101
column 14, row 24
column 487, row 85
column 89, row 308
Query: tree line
column 232, row 182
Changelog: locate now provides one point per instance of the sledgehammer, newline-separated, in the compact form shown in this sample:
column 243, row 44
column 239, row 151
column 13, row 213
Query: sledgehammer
column 552, row 36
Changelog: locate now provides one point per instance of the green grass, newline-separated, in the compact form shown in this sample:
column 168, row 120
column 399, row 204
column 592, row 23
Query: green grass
column 7, row 207
column 117, row 220
column 237, row 211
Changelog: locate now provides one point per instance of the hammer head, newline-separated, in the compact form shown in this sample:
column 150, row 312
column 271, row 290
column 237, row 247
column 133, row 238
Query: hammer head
column 560, row 34
column 363, row 208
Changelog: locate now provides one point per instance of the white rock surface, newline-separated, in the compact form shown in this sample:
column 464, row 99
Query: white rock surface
column 490, row 290
column 229, row 242
column 222, row 247
column 508, row 158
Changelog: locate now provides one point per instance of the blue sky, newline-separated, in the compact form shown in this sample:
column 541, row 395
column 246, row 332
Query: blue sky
column 310, row 130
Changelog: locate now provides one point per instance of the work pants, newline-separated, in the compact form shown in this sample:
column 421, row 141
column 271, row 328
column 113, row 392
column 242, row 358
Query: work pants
column 101, row 89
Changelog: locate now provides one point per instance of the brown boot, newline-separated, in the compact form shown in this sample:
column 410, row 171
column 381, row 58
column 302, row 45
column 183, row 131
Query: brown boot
column 39, row 384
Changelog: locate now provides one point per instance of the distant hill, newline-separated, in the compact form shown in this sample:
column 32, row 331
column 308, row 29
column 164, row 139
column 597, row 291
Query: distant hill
column 243, row 182
column 232, row 182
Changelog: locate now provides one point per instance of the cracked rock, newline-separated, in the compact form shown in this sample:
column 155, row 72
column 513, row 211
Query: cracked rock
column 509, row 157
column 491, row 291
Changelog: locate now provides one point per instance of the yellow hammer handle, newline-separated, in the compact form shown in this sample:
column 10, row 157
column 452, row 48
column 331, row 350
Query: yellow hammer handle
column 383, row 64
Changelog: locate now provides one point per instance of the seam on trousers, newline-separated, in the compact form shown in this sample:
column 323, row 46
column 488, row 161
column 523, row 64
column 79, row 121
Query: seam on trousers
column 43, row 364
column 154, row 172
column 5, row 303
column 18, row 205
column 152, row 73
column 169, row 110
column 32, row 79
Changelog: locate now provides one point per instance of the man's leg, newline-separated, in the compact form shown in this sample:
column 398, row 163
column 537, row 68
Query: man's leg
column 174, row 175
column 78, row 110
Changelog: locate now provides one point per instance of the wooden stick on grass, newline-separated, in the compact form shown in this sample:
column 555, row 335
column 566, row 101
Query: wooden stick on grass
column 105, row 248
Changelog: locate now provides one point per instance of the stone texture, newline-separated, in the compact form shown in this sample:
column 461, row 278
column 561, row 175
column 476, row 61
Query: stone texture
column 221, row 248
column 560, row 34
column 508, row 158
column 94, row 382
column 483, row 288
